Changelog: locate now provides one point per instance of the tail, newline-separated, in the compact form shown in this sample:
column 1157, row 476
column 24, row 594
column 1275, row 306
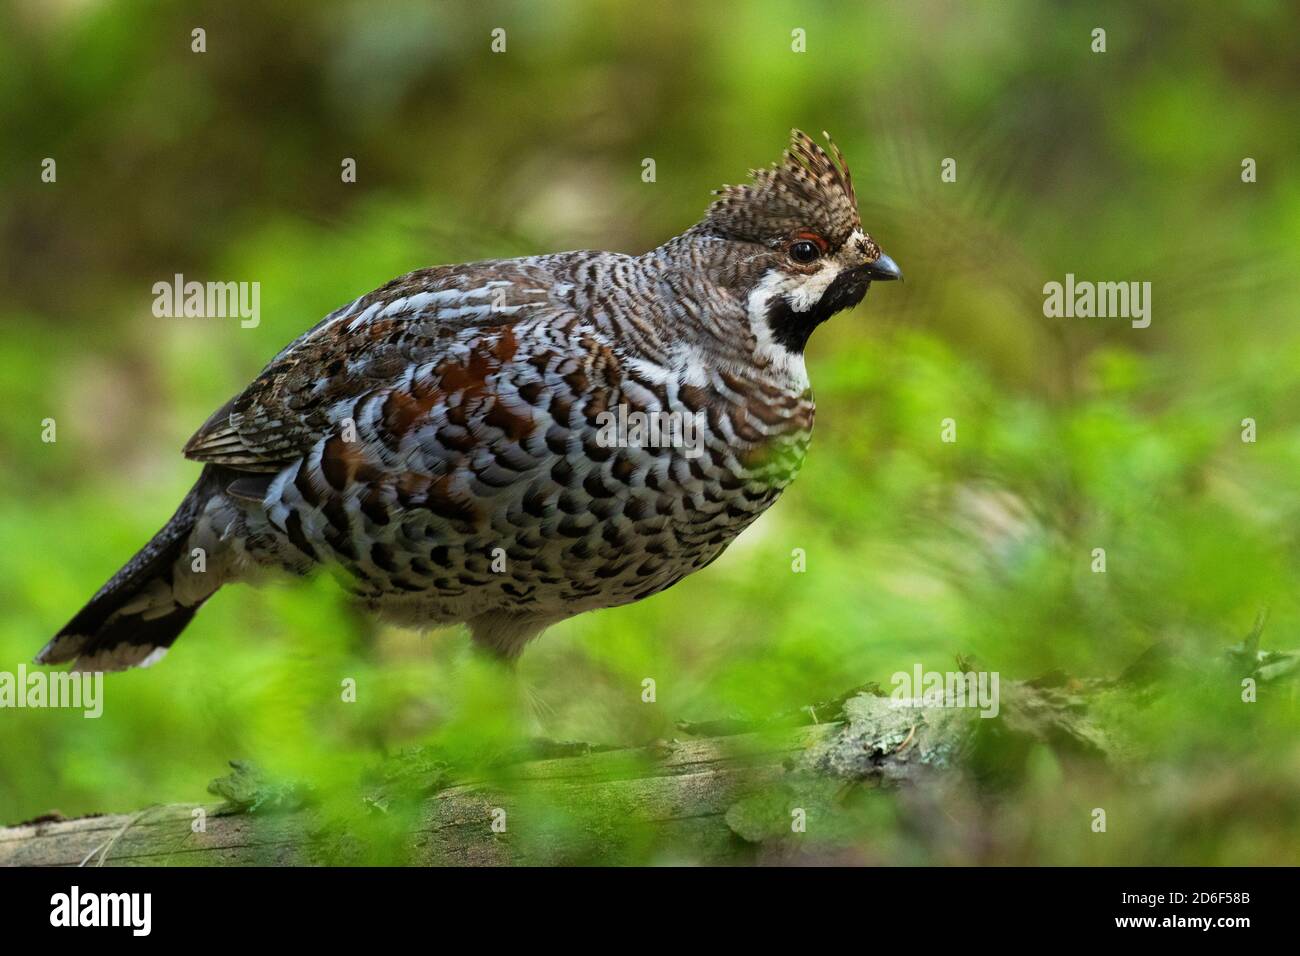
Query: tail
column 134, row 618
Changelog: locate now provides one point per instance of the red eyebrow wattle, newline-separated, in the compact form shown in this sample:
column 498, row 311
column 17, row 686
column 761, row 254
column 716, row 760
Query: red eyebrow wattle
column 821, row 243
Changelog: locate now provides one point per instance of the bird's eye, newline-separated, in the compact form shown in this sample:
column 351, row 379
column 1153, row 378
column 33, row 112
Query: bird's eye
column 805, row 251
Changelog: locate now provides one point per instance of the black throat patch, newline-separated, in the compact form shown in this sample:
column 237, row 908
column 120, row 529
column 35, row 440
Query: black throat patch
column 792, row 329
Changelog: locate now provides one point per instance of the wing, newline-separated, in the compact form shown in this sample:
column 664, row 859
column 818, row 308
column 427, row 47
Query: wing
column 363, row 345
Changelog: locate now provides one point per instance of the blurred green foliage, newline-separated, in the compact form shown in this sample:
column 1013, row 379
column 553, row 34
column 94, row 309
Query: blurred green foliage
column 1073, row 434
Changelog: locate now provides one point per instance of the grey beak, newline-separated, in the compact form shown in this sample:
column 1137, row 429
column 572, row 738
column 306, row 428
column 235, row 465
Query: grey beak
column 884, row 269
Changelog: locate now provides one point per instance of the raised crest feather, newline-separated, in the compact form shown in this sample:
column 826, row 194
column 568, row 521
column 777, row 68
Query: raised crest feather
column 808, row 190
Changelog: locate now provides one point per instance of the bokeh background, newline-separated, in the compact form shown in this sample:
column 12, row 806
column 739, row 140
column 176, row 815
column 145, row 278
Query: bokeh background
column 1073, row 434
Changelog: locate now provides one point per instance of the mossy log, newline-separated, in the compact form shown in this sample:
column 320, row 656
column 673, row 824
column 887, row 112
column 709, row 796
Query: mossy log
column 727, row 792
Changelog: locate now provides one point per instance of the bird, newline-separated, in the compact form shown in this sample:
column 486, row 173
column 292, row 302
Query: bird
column 477, row 444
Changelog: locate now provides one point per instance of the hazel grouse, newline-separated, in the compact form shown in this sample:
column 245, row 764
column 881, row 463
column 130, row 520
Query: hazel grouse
column 446, row 440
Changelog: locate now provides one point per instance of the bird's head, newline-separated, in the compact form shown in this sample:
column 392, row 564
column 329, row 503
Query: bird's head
column 805, row 254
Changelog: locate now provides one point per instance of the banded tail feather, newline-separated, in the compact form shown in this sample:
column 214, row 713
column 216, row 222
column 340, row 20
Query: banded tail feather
column 136, row 616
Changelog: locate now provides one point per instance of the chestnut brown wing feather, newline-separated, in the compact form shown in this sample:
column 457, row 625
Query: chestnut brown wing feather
column 286, row 409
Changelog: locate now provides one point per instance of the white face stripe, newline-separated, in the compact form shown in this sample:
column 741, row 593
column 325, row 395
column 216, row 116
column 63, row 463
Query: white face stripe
column 806, row 291
column 767, row 351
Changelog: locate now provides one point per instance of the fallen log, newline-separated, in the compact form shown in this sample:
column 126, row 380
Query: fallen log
column 729, row 792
